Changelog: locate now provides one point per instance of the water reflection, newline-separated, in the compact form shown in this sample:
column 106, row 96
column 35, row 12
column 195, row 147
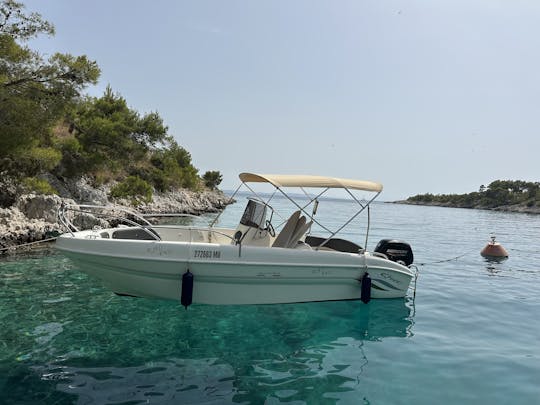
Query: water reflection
column 495, row 259
column 494, row 265
column 174, row 381
column 388, row 318
column 330, row 364
column 273, row 353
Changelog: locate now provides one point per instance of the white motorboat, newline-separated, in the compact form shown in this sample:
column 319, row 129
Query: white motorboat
column 249, row 264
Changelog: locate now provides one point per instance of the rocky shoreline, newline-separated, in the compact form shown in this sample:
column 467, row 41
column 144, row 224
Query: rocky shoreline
column 517, row 208
column 29, row 218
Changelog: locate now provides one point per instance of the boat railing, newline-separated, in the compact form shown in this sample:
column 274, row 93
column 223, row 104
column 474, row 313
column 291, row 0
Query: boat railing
column 122, row 215
column 119, row 214
column 169, row 215
column 209, row 228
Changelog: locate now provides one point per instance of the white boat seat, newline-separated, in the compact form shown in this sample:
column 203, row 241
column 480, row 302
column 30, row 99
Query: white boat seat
column 293, row 231
column 299, row 231
column 284, row 236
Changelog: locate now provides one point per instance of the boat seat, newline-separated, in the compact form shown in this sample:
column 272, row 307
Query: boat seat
column 293, row 231
column 284, row 236
column 135, row 233
column 301, row 228
column 341, row 245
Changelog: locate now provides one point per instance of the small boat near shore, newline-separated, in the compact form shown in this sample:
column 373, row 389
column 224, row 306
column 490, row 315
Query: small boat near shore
column 264, row 260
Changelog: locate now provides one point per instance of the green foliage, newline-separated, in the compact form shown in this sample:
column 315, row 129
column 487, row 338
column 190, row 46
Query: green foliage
column 134, row 189
column 68, row 145
column 17, row 24
column 116, row 138
column 112, row 135
column 173, row 168
column 70, row 164
column 31, row 162
column 38, row 186
column 498, row 193
column 38, row 160
column 190, row 178
column 46, row 125
column 212, row 179
column 34, row 93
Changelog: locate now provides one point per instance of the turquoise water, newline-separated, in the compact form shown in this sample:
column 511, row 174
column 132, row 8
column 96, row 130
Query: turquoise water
column 470, row 336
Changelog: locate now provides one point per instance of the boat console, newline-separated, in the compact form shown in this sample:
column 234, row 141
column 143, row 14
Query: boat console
column 254, row 229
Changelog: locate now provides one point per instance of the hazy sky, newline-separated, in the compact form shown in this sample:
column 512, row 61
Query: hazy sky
column 422, row 96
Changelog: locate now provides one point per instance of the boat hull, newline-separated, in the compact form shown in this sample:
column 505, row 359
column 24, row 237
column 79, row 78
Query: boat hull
column 228, row 274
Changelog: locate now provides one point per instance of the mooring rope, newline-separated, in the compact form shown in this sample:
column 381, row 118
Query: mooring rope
column 447, row 260
column 27, row 244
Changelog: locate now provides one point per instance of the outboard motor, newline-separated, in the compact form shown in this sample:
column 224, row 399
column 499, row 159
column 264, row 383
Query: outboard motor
column 396, row 250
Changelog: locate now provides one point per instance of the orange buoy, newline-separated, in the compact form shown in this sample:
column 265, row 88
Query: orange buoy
column 494, row 250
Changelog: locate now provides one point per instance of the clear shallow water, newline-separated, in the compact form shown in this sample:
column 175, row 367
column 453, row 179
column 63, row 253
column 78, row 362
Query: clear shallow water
column 472, row 334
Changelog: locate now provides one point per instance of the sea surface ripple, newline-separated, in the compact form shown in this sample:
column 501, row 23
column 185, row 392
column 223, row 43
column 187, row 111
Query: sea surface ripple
column 471, row 335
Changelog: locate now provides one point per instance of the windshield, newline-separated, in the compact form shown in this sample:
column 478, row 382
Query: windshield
column 254, row 214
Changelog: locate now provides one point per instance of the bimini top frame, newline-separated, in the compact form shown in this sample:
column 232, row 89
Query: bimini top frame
column 288, row 180
column 280, row 181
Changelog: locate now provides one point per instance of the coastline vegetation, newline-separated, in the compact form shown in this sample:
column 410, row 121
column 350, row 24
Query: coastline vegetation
column 499, row 193
column 48, row 126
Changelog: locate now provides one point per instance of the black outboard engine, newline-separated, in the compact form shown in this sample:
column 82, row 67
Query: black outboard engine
column 396, row 250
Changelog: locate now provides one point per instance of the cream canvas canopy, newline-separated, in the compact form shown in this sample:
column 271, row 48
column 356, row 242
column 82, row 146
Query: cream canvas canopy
column 288, row 180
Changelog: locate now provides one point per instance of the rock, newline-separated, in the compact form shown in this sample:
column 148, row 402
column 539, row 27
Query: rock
column 8, row 195
column 80, row 190
column 33, row 217
column 39, row 206
column 16, row 228
column 88, row 221
column 186, row 202
column 83, row 192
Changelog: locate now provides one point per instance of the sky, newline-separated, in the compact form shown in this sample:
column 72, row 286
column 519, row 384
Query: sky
column 422, row 96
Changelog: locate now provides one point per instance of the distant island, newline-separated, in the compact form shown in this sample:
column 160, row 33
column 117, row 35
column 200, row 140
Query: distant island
column 501, row 195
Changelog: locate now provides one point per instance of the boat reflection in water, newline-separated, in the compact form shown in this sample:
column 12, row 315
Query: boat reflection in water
column 308, row 347
column 392, row 318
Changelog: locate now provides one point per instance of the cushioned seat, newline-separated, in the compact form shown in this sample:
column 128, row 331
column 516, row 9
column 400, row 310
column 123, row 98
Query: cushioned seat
column 293, row 231
column 284, row 236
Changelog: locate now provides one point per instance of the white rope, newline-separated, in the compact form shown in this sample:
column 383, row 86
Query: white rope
column 27, row 244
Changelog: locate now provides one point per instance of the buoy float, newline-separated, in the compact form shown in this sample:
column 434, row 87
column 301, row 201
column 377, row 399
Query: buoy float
column 187, row 289
column 365, row 288
column 494, row 250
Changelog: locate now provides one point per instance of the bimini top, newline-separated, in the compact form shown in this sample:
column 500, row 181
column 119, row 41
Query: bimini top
column 289, row 180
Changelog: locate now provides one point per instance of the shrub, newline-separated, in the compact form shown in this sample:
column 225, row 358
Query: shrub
column 212, row 179
column 37, row 160
column 134, row 189
column 173, row 169
column 38, row 186
column 70, row 165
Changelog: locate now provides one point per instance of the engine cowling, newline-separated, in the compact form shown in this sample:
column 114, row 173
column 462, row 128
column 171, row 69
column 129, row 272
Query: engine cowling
column 396, row 250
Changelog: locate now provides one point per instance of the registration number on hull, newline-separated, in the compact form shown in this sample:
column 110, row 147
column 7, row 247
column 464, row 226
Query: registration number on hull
column 206, row 254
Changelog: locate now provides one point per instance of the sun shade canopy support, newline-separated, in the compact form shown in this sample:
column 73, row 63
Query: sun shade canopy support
column 288, row 180
column 280, row 181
